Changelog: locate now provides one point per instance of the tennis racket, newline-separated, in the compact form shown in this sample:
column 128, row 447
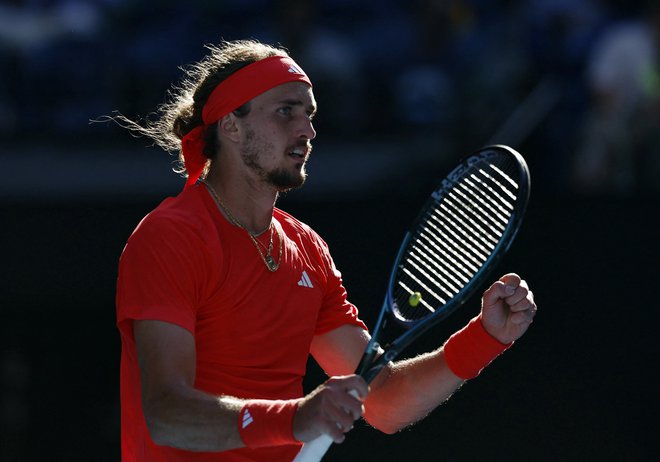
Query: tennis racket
column 461, row 232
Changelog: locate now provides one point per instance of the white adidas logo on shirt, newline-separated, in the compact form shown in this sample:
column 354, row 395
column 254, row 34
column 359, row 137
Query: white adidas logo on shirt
column 305, row 281
column 247, row 418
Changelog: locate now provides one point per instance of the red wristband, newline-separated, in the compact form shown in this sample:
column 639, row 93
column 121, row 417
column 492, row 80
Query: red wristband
column 267, row 423
column 471, row 349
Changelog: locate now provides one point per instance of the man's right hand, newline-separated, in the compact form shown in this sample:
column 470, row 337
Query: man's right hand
column 332, row 408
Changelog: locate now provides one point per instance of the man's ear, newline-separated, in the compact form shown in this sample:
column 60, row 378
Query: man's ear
column 228, row 127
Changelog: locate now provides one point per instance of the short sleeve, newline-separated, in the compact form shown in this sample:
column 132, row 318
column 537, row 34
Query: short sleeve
column 336, row 310
column 161, row 274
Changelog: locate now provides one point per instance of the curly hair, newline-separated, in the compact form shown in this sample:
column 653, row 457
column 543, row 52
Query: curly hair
column 182, row 110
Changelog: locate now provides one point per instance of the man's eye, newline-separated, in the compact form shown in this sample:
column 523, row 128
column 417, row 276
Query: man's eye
column 286, row 110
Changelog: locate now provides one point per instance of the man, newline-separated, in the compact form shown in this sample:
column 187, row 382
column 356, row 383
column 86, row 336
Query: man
column 221, row 296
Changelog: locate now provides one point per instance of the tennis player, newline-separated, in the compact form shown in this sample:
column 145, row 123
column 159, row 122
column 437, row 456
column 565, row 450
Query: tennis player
column 222, row 296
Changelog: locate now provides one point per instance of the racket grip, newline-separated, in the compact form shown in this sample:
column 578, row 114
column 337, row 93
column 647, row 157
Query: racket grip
column 314, row 450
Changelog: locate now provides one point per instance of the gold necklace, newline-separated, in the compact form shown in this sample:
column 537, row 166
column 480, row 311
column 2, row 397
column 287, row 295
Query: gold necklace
column 267, row 258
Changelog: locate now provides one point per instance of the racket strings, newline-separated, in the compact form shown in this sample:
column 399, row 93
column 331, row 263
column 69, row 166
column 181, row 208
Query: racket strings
column 452, row 241
column 455, row 237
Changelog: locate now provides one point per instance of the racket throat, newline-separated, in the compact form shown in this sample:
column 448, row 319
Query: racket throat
column 371, row 364
column 371, row 373
column 367, row 359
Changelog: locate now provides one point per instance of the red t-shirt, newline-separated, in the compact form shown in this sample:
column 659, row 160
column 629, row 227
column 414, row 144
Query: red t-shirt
column 187, row 265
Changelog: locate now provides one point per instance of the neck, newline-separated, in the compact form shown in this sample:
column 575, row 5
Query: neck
column 251, row 207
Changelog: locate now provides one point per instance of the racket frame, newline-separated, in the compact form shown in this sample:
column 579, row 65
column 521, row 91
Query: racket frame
column 370, row 364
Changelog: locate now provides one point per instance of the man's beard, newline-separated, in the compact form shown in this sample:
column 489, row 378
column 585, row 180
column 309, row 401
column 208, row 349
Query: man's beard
column 280, row 178
column 285, row 180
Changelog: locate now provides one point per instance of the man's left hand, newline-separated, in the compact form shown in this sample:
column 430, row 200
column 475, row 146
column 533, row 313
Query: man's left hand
column 508, row 308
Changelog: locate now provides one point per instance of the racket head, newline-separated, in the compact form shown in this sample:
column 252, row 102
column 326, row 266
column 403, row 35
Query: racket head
column 464, row 228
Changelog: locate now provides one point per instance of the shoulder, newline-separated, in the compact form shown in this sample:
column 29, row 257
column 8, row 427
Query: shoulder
column 291, row 222
column 295, row 228
column 186, row 210
column 183, row 218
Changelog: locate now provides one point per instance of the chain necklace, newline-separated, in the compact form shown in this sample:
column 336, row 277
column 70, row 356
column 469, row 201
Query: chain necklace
column 267, row 258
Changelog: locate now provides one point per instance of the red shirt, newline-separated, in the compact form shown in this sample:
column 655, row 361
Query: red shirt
column 187, row 265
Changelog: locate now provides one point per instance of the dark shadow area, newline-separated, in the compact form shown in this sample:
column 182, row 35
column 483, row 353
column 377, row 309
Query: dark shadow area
column 579, row 385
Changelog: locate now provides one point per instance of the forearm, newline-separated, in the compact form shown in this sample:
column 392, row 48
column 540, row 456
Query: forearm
column 408, row 390
column 192, row 420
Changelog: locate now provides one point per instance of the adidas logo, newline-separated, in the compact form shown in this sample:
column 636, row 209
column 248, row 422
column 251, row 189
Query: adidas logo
column 294, row 69
column 305, row 281
column 247, row 418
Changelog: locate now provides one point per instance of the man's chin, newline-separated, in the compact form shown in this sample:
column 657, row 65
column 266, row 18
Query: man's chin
column 285, row 181
column 291, row 187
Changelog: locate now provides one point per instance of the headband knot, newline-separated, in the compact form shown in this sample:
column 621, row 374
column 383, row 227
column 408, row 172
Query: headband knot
column 192, row 146
column 233, row 92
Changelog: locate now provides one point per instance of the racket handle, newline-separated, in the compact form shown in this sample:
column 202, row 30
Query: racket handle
column 314, row 450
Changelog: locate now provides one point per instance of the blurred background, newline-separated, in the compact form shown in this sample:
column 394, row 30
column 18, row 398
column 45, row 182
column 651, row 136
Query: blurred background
column 405, row 89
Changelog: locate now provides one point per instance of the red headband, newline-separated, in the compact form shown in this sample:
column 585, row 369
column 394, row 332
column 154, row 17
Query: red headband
column 233, row 92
